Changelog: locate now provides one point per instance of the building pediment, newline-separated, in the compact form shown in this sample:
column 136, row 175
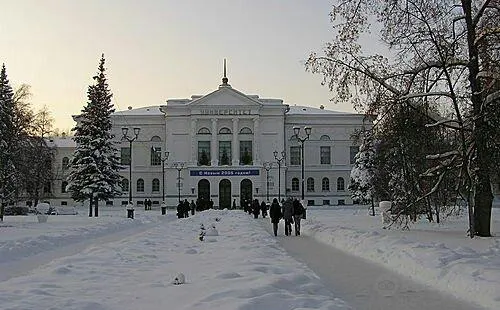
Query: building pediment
column 225, row 97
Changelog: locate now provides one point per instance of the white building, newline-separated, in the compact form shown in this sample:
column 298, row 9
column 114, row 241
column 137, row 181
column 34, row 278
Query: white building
column 221, row 147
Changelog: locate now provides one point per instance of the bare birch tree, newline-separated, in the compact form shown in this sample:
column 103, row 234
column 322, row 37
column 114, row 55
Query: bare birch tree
column 445, row 52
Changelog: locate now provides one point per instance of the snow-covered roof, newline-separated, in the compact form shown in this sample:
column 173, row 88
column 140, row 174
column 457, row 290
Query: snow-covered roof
column 151, row 110
column 295, row 109
column 61, row 142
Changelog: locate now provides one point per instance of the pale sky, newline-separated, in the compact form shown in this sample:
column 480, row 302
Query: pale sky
column 156, row 50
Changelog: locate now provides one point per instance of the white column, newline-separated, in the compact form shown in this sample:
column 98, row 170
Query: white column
column 236, row 149
column 194, row 142
column 256, row 142
column 213, row 152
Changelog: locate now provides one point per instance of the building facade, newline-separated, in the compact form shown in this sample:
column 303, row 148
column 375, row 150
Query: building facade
column 228, row 147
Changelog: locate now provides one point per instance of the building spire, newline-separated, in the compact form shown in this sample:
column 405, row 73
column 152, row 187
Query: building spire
column 225, row 79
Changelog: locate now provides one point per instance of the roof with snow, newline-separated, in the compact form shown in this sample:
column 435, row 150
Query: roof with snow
column 61, row 142
column 151, row 110
column 303, row 110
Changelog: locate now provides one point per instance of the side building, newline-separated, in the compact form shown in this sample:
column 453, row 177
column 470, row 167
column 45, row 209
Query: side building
column 230, row 148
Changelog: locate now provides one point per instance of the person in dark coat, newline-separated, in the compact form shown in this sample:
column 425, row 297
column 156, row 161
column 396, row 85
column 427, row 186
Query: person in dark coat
column 263, row 209
column 298, row 211
column 186, row 207
column 275, row 214
column 193, row 207
column 256, row 208
column 288, row 216
column 180, row 210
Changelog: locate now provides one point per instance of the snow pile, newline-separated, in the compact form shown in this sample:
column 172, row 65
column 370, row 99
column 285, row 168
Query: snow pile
column 441, row 256
column 245, row 269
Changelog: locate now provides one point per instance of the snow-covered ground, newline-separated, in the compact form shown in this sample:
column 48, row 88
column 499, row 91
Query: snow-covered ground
column 439, row 255
column 119, row 263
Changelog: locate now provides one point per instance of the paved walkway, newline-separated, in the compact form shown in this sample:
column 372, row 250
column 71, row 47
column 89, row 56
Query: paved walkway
column 363, row 284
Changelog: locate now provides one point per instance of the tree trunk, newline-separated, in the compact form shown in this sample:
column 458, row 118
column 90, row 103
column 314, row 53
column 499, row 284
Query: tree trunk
column 483, row 197
column 90, row 205
column 96, row 211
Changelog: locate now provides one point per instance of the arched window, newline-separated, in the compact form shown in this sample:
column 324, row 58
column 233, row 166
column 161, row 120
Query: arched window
column 295, row 184
column 325, row 184
column 155, row 185
column 246, row 131
column 325, row 138
column 293, row 138
column 124, row 185
column 140, row 185
column 310, row 184
column 224, row 131
column 155, row 139
column 65, row 162
column 63, row 187
column 340, row 184
column 204, row 131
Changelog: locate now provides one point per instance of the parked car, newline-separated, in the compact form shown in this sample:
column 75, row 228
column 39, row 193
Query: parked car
column 66, row 210
column 45, row 208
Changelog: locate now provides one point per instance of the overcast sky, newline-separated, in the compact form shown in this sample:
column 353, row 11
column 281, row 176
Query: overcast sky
column 156, row 50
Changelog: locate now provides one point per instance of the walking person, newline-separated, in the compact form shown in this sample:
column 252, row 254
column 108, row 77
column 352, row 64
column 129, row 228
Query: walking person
column 192, row 205
column 275, row 215
column 288, row 216
column 256, row 208
column 298, row 212
column 263, row 209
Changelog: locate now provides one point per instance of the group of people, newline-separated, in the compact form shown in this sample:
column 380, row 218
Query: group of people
column 184, row 207
column 256, row 208
column 291, row 210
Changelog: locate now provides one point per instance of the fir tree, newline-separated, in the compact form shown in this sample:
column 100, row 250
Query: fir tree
column 7, row 140
column 95, row 164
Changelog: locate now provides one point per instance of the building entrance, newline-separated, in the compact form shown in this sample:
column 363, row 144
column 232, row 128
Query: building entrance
column 203, row 192
column 245, row 192
column 225, row 194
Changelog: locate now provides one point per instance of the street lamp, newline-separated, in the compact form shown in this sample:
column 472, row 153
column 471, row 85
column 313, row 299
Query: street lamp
column 267, row 166
column 296, row 131
column 130, row 140
column 179, row 166
column 279, row 160
column 163, row 159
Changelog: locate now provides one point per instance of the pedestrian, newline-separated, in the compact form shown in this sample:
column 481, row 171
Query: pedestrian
column 263, row 209
column 186, row 208
column 275, row 215
column 234, row 204
column 256, row 208
column 288, row 216
column 180, row 210
column 298, row 212
column 192, row 206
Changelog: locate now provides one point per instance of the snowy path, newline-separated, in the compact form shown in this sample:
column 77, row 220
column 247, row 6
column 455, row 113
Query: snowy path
column 362, row 284
column 23, row 266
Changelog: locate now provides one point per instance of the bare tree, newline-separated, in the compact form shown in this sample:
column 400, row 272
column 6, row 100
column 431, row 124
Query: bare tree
column 445, row 52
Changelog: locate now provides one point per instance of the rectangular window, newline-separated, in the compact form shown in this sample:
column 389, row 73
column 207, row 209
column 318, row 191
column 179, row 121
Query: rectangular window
column 155, row 156
column 245, row 152
column 310, row 202
column 341, row 202
column 295, row 155
column 204, row 153
column 353, row 151
column 325, row 155
column 224, row 152
column 109, row 202
column 125, row 156
column 64, row 203
column 124, row 202
column 326, row 202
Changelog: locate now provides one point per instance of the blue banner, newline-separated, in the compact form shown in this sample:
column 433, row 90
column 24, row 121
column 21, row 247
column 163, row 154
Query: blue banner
column 223, row 173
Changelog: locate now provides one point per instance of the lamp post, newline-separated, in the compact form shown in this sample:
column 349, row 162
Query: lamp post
column 163, row 159
column 279, row 160
column 130, row 140
column 296, row 131
column 267, row 166
column 179, row 166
